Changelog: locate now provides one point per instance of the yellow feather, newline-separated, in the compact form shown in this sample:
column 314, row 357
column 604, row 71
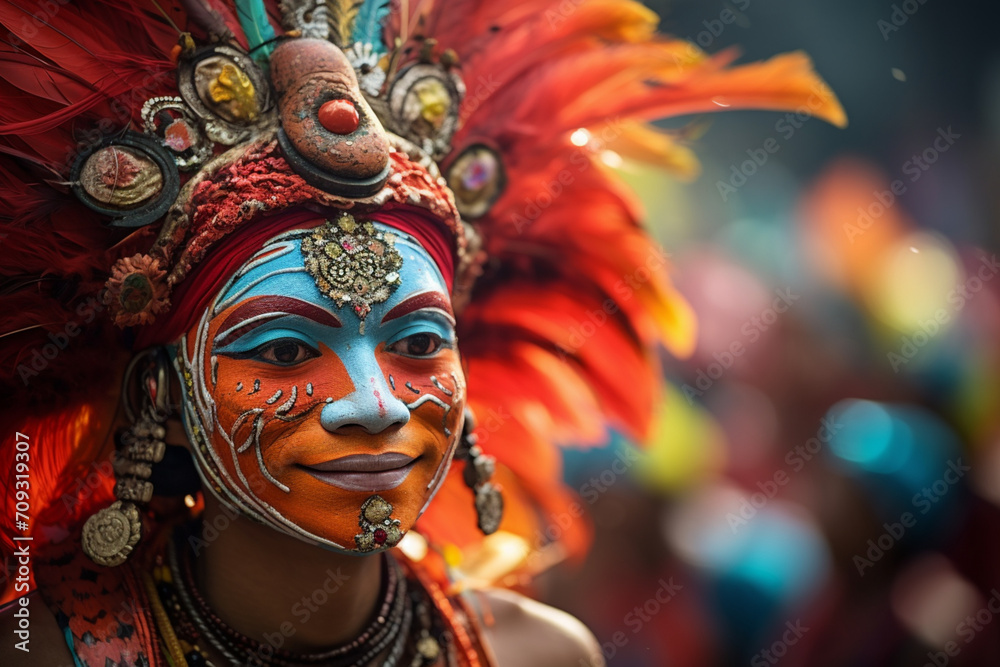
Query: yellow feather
column 340, row 17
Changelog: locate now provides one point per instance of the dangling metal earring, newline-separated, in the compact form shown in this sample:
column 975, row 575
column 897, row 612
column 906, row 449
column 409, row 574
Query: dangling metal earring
column 110, row 535
column 478, row 472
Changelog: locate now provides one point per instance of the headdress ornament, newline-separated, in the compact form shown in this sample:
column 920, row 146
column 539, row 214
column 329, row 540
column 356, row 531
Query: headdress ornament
column 137, row 137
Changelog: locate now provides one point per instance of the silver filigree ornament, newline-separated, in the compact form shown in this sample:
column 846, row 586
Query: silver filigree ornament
column 353, row 262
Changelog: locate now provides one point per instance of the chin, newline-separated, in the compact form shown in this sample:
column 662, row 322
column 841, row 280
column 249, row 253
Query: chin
column 339, row 516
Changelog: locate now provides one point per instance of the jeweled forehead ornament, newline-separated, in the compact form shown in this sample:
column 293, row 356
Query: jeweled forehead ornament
column 353, row 263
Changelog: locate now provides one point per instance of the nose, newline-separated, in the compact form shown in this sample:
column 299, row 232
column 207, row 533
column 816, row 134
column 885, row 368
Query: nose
column 371, row 405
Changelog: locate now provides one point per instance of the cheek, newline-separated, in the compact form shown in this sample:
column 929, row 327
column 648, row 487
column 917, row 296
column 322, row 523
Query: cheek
column 433, row 389
column 257, row 402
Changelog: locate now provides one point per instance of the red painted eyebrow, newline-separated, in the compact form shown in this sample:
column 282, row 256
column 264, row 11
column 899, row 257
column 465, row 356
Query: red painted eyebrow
column 273, row 307
column 417, row 302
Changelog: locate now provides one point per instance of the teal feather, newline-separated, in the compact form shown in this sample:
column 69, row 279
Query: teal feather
column 256, row 27
column 68, row 634
column 369, row 24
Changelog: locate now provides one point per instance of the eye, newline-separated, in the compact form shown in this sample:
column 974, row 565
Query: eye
column 284, row 352
column 417, row 345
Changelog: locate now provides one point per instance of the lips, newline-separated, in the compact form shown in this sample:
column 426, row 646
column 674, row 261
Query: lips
column 364, row 472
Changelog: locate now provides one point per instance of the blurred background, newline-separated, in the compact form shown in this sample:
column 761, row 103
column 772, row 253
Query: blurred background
column 824, row 486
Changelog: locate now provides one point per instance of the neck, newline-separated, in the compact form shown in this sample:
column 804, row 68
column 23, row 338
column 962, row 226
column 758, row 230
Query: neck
column 279, row 590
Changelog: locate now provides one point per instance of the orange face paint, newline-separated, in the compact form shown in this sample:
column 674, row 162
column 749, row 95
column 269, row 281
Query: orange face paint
column 332, row 422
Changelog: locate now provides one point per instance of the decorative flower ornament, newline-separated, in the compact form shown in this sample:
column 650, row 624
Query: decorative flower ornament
column 137, row 290
column 367, row 67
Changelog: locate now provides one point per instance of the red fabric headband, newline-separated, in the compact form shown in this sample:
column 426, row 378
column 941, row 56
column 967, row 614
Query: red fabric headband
column 192, row 296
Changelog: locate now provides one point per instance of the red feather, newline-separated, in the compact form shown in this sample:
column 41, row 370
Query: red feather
column 563, row 334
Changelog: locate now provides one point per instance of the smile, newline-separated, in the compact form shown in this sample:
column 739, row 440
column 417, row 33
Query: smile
column 364, row 472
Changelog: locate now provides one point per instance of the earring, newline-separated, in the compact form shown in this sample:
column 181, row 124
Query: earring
column 478, row 472
column 110, row 535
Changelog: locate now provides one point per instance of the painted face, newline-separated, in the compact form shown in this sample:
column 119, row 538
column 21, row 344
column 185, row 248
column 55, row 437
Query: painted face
column 324, row 392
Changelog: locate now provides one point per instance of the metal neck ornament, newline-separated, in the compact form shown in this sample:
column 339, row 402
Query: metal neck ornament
column 353, row 262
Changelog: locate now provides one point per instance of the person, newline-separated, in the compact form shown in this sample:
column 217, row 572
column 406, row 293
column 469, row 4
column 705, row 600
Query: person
column 231, row 319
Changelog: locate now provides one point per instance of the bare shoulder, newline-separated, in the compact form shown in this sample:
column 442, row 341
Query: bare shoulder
column 44, row 645
column 526, row 633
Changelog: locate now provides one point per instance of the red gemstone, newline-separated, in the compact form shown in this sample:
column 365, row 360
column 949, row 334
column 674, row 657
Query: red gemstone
column 178, row 136
column 380, row 536
column 339, row 116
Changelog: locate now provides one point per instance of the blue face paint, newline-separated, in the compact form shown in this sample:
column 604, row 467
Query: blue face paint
column 372, row 404
column 289, row 392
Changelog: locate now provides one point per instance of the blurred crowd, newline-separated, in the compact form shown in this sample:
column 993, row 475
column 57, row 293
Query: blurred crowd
column 823, row 488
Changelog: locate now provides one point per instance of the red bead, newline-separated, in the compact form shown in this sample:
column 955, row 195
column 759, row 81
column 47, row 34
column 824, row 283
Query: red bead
column 380, row 536
column 339, row 116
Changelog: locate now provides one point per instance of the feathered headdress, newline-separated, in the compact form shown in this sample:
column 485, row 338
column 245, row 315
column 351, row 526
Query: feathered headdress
column 136, row 135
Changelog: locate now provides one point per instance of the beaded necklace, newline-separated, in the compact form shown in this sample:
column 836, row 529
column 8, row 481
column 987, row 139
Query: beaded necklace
column 404, row 624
